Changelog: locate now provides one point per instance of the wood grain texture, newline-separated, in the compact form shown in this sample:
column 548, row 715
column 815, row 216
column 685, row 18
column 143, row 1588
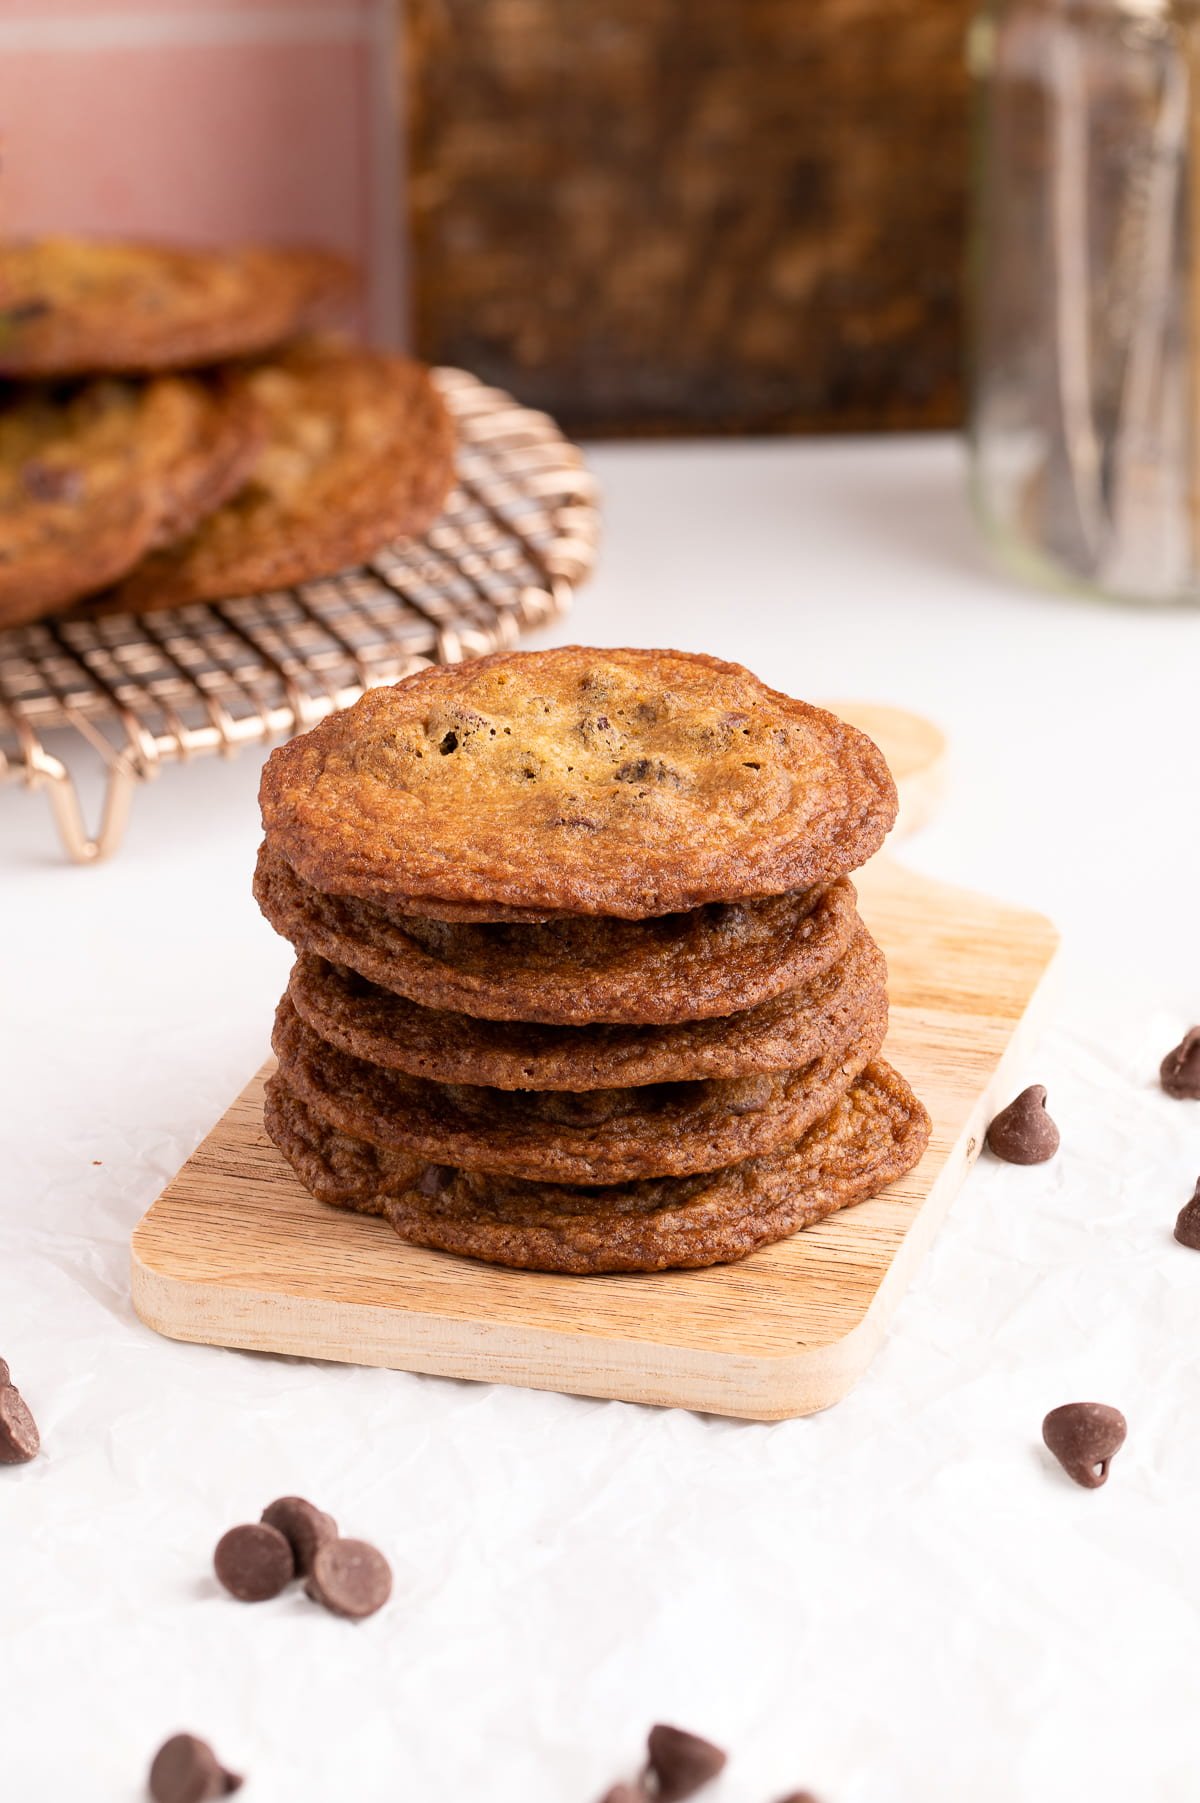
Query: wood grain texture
column 235, row 1253
column 662, row 216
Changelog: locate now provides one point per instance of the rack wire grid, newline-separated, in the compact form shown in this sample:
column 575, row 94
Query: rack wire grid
column 517, row 537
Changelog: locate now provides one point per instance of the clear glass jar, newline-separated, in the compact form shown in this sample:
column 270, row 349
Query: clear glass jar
column 1085, row 388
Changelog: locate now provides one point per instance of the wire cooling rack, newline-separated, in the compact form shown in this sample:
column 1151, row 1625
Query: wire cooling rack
column 517, row 537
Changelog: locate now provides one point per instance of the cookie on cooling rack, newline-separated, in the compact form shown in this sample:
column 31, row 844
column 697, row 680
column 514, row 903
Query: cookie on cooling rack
column 874, row 1134
column 359, row 451
column 71, row 306
column 618, row 782
column 93, row 477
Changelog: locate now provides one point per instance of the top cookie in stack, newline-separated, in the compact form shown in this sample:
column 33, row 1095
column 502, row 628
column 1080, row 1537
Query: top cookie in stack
column 581, row 983
column 143, row 456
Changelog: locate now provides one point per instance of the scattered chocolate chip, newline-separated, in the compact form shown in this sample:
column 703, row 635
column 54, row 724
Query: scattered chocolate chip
column 680, row 1763
column 1179, row 1071
column 625, row 1793
column 1023, row 1133
column 350, row 1578
column 19, row 1437
column 1187, row 1227
column 1084, row 1436
column 798, row 1796
column 51, row 481
column 186, row 1770
column 254, row 1562
column 304, row 1527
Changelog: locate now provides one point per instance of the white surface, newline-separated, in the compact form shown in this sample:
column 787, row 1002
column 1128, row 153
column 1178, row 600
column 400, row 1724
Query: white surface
column 901, row 1601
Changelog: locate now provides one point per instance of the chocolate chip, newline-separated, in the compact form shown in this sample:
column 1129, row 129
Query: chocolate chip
column 648, row 770
column 681, row 1763
column 1179, row 1071
column 254, row 1562
column 19, row 1437
column 625, row 1793
column 186, row 1770
column 304, row 1527
column 350, row 1578
column 1023, row 1133
column 798, row 1796
column 434, row 1179
column 747, row 1095
column 51, row 481
column 1187, row 1227
column 1084, row 1436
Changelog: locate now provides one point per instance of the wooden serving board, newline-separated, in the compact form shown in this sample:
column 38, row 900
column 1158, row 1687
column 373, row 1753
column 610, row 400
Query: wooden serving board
column 236, row 1253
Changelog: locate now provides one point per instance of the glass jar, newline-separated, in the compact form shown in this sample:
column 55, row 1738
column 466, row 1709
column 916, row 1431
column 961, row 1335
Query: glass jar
column 1085, row 389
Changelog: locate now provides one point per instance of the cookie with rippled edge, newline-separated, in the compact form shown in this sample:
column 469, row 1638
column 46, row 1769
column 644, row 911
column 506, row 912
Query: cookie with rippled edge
column 333, row 1167
column 598, row 1136
column 359, row 451
column 388, row 1030
column 84, row 306
column 572, row 971
column 874, row 1134
column 618, row 782
column 93, row 477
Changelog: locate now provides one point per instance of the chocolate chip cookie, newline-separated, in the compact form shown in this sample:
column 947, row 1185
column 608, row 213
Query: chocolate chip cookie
column 572, row 969
column 359, row 450
column 374, row 1024
column 94, row 476
column 874, row 1134
column 80, row 306
column 624, row 783
column 601, row 1136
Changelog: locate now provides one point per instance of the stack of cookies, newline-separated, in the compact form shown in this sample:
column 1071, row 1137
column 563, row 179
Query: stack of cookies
column 172, row 431
column 580, row 981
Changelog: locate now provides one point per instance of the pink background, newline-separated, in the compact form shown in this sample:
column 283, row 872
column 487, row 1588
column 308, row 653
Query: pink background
column 238, row 119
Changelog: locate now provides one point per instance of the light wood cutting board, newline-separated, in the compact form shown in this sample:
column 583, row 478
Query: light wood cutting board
column 236, row 1253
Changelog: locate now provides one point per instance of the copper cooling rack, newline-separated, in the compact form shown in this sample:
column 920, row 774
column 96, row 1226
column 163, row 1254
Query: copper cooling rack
column 517, row 537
